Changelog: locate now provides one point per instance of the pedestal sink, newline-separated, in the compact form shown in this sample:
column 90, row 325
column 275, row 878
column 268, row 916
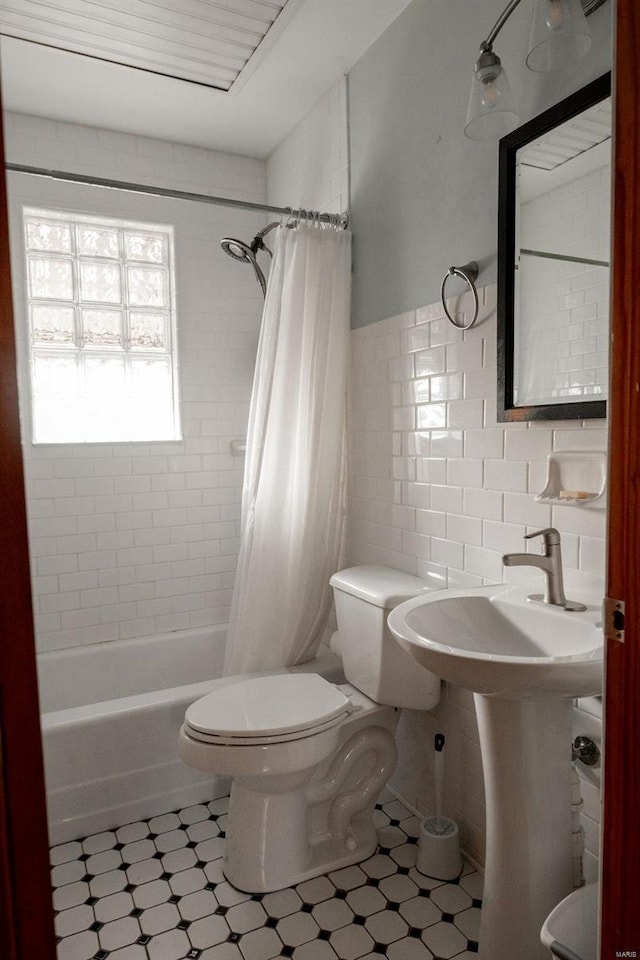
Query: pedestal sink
column 524, row 662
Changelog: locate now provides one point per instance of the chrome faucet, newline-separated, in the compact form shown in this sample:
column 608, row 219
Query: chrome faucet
column 550, row 562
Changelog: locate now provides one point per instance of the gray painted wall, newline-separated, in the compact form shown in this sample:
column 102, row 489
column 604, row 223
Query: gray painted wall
column 424, row 197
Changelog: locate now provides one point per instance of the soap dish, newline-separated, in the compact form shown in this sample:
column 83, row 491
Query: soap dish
column 574, row 477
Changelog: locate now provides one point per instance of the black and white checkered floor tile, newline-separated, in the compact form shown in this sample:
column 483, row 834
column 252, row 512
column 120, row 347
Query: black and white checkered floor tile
column 155, row 890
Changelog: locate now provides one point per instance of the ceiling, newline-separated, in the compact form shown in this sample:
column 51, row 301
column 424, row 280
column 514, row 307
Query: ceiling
column 203, row 41
column 232, row 75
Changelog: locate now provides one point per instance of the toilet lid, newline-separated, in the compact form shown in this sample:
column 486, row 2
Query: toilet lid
column 267, row 706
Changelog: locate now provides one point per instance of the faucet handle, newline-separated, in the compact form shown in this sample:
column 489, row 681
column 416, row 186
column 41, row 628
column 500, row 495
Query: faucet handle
column 550, row 536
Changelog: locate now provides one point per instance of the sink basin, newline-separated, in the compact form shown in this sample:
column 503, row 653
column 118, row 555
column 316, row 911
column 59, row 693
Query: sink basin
column 495, row 642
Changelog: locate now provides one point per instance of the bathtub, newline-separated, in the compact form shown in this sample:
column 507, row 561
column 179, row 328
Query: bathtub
column 111, row 713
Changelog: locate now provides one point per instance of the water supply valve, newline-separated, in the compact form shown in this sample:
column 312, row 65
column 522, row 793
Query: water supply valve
column 585, row 750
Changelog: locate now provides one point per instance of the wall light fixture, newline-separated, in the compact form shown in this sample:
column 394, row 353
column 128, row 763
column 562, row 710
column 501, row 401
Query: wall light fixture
column 559, row 36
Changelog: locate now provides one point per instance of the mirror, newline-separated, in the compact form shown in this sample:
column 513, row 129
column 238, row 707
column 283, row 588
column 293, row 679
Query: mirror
column 553, row 261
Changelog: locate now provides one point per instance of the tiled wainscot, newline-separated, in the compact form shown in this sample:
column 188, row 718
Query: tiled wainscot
column 439, row 488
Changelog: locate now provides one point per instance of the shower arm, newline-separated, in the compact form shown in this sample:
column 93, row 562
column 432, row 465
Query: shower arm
column 258, row 241
column 251, row 250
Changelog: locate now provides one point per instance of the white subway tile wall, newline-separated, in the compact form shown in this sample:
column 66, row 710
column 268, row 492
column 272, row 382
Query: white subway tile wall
column 438, row 488
column 129, row 540
column 310, row 167
column 141, row 538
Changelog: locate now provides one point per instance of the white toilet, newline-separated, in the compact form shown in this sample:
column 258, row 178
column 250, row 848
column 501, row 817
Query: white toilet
column 308, row 758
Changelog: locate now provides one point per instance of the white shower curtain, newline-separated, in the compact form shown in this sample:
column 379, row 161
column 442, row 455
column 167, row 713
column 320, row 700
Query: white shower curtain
column 292, row 502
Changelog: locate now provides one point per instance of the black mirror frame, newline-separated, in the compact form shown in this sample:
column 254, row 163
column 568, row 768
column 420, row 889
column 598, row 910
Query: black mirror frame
column 589, row 95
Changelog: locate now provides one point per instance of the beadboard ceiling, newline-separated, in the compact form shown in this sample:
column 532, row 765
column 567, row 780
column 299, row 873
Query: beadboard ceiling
column 203, row 41
column 234, row 75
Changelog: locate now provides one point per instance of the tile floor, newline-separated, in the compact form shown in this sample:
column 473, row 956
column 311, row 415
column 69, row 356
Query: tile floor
column 155, row 890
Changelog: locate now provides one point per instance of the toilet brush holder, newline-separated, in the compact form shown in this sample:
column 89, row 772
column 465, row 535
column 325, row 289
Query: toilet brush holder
column 439, row 849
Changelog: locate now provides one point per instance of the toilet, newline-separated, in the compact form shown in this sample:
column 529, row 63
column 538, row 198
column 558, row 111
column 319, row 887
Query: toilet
column 307, row 758
column 570, row 932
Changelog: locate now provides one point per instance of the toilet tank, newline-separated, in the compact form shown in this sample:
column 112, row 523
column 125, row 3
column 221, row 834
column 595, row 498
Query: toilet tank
column 372, row 660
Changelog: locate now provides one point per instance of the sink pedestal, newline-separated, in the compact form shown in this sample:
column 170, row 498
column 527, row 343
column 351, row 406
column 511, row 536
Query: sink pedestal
column 526, row 762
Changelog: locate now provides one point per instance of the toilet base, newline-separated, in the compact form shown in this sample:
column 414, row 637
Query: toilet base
column 264, row 860
column 321, row 822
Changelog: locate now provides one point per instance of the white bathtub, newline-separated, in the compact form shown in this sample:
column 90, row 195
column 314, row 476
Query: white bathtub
column 111, row 713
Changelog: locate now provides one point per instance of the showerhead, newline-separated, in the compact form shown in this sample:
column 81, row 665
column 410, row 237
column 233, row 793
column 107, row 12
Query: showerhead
column 246, row 253
column 243, row 253
column 237, row 249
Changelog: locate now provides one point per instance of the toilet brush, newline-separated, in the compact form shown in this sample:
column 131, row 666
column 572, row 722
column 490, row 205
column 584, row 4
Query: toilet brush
column 439, row 843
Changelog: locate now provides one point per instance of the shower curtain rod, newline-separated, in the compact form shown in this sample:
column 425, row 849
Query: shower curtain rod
column 336, row 219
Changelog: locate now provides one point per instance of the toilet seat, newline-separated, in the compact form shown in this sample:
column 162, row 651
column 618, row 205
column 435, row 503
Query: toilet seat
column 269, row 709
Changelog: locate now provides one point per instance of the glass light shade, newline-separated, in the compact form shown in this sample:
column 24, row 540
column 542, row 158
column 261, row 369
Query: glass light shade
column 560, row 35
column 491, row 113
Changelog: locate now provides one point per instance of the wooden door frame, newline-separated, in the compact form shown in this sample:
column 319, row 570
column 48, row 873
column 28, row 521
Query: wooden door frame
column 26, row 916
column 26, row 927
column 620, row 885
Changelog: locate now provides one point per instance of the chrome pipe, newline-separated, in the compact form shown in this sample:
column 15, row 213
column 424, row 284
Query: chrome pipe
column 499, row 24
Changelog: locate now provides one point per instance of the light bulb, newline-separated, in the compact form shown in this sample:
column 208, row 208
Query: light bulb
column 555, row 15
column 490, row 94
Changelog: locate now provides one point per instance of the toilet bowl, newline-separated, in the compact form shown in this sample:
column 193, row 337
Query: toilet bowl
column 298, row 786
column 307, row 758
column 570, row 932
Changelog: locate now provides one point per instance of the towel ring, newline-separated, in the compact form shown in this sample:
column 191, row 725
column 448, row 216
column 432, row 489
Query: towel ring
column 468, row 273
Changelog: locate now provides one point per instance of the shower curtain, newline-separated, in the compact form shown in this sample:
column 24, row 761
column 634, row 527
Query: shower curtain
column 292, row 500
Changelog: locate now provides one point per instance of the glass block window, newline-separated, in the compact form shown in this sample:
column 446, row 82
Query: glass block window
column 101, row 329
